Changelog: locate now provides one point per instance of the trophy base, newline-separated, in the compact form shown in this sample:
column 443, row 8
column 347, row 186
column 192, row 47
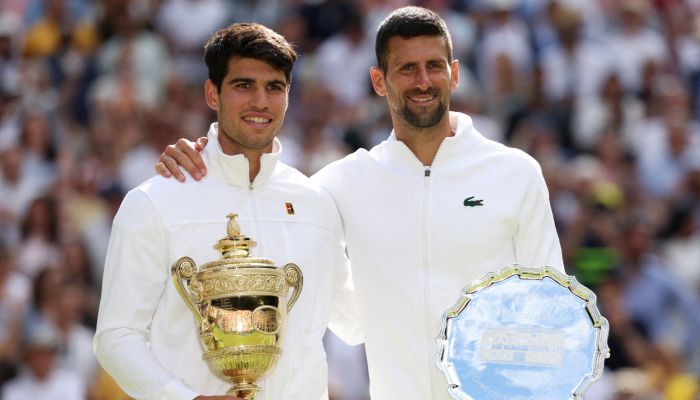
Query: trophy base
column 244, row 390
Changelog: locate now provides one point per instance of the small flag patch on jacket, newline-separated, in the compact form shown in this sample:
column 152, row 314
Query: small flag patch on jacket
column 290, row 208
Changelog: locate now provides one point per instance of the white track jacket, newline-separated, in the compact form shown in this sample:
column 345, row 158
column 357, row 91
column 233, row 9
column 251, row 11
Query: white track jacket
column 146, row 336
column 416, row 235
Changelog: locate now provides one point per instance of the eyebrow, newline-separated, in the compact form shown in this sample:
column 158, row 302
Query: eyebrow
column 433, row 60
column 250, row 80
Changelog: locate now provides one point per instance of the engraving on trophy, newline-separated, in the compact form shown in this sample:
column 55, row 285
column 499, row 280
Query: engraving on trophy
column 524, row 347
column 240, row 306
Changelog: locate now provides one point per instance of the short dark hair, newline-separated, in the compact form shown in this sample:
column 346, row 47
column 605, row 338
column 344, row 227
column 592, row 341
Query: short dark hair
column 409, row 22
column 247, row 40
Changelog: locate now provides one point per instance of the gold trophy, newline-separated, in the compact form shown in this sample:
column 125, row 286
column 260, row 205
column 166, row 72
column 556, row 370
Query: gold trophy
column 240, row 306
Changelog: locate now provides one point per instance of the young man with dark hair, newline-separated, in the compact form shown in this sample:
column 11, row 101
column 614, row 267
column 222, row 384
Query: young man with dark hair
column 146, row 337
column 430, row 209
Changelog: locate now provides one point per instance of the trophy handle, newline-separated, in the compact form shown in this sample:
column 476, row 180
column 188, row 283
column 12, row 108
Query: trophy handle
column 183, row 270
column 295, row 280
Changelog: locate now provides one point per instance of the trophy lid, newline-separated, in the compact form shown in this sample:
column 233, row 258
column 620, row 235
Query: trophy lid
column 235, row 248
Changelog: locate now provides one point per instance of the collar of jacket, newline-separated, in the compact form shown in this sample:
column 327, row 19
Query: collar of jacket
column 395, row 153
column 234, row 169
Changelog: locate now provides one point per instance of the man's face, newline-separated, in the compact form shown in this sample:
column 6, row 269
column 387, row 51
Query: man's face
column 250, row 106
column 418, row 81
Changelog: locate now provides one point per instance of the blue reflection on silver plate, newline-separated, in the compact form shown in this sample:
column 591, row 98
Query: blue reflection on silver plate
column 523, row 334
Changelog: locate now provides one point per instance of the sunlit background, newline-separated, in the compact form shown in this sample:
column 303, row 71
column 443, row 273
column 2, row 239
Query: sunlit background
column 605, row 94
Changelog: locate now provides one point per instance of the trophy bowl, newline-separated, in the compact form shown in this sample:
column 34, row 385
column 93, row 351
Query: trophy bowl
column 240, row 304
column 520, row 334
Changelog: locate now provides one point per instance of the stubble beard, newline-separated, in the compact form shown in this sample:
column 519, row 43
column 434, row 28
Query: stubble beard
column 242, row 142
column 426, row 119
column 423, row 120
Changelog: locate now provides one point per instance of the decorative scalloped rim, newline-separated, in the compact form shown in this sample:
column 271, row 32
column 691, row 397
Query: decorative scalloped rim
column 599, row 322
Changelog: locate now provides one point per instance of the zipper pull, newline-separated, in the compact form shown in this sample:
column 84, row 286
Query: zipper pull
column 427, row 172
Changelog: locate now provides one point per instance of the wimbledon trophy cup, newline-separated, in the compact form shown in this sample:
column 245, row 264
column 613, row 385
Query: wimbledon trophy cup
column 240, row 306
column 522, row 334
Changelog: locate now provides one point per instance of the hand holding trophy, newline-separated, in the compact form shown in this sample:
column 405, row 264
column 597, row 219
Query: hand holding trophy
column 240, row 306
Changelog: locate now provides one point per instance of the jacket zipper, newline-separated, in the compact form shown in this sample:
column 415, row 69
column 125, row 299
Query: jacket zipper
column 426, row 270
column 252, row 205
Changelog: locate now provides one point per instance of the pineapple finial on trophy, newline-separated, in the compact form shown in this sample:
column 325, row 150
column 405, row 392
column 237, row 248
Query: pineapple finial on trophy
column 233, row 229
column 234, row 245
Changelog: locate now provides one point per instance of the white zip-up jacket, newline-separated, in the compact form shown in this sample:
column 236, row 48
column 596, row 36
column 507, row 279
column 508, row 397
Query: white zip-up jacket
column 416, row 235
column 146, row 336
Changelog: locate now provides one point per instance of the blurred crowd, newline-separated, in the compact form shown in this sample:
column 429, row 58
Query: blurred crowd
column 605, row 94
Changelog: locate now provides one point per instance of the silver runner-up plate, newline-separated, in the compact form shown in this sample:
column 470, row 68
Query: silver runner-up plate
column 523, row 333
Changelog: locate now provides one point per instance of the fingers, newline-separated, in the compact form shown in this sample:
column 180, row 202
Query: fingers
column 183, row 154
column 168, row 166
column 162, row 170
column 190, row 150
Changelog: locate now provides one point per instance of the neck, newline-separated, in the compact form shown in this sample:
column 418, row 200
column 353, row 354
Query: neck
column 252, row 155
column 423, row 142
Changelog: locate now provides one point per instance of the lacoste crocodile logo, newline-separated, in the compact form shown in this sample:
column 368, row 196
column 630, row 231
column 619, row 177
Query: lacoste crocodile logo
column 470, row 202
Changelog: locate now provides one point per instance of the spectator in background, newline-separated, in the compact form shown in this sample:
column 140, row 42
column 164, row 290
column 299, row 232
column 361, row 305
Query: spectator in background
column 610, row 110
column 17, row 190
column 66, row 317
column 185, row 26
column 687, row 49
column 505, row 62
column 14, row 301
column 347, row 53
column 39, row 245
column 10, row 118
column 41, row 378
column 635, row 43
column 10, row 60
column 662, row 305
column 134, row 56
column 681, row 245
column 39, row 143
column 667, row 143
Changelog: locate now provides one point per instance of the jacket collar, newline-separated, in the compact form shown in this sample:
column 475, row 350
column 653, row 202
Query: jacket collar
column 234, row 169
column 395, row 152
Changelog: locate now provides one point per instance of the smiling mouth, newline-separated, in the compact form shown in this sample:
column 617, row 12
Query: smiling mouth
column 257, row 120
column 422, row 99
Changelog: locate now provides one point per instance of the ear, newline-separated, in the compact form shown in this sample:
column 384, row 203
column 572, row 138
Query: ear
column 455, row 74
column 211, row 94
column 378, row 81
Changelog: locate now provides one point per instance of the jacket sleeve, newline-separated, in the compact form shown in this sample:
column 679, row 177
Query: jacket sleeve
column 134, row 279
column 536, row 241
column 344, row 319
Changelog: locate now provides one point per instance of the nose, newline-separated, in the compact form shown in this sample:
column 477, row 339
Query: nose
column 260, row 99
column 422, row 79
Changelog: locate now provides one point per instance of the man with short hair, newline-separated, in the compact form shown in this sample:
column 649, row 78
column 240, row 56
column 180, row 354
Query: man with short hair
column 146, row 337
column 426, row 211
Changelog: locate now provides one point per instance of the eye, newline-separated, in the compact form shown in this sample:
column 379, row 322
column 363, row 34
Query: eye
column 244, row 85
column 408, row 67
column 435, row 65
column 275, row 87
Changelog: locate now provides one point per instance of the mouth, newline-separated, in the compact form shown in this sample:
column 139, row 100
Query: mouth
column 257, row 121
column 422, row 99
